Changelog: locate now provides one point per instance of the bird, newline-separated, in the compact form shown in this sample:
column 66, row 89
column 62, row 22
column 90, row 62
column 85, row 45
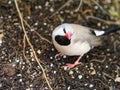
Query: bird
column 76, row 40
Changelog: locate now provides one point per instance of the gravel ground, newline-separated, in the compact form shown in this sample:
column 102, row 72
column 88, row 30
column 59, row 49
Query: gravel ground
column 19, row 70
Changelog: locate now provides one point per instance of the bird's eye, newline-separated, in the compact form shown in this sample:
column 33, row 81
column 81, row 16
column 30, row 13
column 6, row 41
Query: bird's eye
column 64, row 30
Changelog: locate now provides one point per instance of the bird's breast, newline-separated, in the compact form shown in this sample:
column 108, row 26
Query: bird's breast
column 74, row 48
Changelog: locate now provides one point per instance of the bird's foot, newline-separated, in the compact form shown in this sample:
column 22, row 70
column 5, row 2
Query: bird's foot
column 71, row 65
column 59, row 54
column 74, row 64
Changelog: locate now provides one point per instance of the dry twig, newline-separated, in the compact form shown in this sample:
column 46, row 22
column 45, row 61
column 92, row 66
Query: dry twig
column 107, row 75
column 101, row 82
column 24, row 45
column 105, row 21
column 67, row 3
column 100, row 61
column 43, row 38
column 117, row 6
column 94, row 1
column 34, row 53
column 80, row 4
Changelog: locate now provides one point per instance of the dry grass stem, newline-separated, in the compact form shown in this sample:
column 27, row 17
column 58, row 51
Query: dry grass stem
column 34, row 53
column 105, row 21
column 67, row 3
column 24, row 46
column 78, row 8
column 43, row 38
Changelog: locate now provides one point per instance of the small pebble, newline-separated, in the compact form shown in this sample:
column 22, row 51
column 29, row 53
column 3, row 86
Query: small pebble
column 32, row 29
column 64, row 56
column 51, row 57
column 38, row 66
column 61, row 12
column 98, row 24
column 99, row 66
column 28, row 89
column 19, row 75
column 9, row 16
column 27, row 51
column 91, row 85
column 109, row 80
column 9, row 60
column 40, row 7
column 96, row 7
column 51, row 65
column 51, row 10
column 44, row 24
column 31, row 54
column 38, row 51
column 1, row 17
column 80, row 76
column 0, row 43
column 93, row 72
column 99, row 74
column 28, row 17
column 54, row 72
column 85, row 84
column 65, row 68
column 68, row 88
column 106, row 66
column 87, row 56
column 46, row 88
column 23, row 67
column 31, row 85
column 86, row 66
column 52, row 49
column 117, row 79
column 20, row 80
column 2, row 57
column 36, row 24
column 9, row 2
column 34, row 73
column 36, row 7
column 46, row 4
column 32, row 59
column 103, row 27
column 24, row 63
column 71, row 72
column 0, row 84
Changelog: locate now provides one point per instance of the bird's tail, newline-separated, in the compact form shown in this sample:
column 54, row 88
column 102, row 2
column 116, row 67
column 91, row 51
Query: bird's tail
column 105, row 32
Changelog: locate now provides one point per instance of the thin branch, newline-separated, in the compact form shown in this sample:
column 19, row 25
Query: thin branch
column 80, row 4
column 43, row 38
column 101, row 82
column 107, row 75
column 116, row 2
column 94, row 1
column 24, row 45
column 34, row 53
column 105, row 21
column 69, row 1
column 100, row 61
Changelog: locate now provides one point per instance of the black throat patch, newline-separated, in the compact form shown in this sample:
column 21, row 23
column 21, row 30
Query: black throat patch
column 62, row 40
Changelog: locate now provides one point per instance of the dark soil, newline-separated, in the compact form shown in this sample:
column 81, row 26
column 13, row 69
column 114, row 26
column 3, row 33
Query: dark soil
column 100, row 69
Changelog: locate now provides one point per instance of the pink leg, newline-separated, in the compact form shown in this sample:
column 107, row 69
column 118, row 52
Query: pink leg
column 59, row 54
column 74, row 64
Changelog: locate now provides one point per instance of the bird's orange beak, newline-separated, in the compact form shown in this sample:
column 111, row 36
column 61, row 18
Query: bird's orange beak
column 68, row 35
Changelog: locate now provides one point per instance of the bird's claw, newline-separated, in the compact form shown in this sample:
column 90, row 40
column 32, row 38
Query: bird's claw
column 69, row 66
column 59, row 54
